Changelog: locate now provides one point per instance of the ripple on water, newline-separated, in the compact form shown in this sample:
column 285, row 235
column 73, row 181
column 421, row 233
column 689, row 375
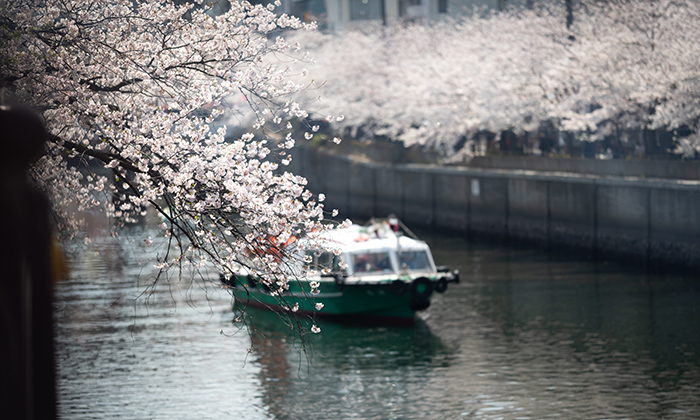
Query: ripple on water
column 524, row 336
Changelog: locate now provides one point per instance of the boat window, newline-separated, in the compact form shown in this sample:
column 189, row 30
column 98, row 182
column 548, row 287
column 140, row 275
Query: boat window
column 325, row 262
column 375, row 262
column 415, row 260
column 328, row 260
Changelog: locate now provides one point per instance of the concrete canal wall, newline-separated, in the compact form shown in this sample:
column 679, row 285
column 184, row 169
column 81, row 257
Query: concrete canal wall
column 653, row 221
column 663, row 168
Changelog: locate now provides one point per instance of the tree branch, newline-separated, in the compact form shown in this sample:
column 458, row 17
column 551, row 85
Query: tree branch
column 97, row 88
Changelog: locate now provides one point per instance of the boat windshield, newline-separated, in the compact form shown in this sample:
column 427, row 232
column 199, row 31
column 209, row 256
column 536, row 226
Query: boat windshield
column 371, row 263
column 325, row 262
column 415, row 260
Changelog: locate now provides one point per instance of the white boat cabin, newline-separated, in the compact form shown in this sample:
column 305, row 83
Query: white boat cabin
column 370, row 254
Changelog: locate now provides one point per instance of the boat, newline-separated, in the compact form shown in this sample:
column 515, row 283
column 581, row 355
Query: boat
column 379, row 272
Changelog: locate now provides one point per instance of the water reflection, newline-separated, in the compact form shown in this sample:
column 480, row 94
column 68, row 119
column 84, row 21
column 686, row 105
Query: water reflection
column 580, row 340
column 346, row 371
column 382, row 347
column 127, row 348
column 525, row 335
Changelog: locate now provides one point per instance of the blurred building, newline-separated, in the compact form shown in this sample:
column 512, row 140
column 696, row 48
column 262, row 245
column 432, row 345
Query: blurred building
column 338, row 15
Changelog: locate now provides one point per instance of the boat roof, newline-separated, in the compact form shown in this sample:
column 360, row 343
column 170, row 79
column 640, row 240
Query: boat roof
column 375, row 237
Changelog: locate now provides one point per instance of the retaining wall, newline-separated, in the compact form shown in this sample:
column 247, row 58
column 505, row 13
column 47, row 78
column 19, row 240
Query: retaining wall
column 650, row 220
column 649, row 168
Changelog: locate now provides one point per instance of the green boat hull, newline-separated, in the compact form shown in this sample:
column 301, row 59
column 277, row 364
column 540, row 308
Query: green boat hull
column 387, row 301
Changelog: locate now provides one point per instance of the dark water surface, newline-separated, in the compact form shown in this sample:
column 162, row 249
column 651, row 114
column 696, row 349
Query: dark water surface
column 524, row 336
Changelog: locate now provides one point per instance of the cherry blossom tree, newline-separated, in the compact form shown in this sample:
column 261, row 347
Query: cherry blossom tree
column 633, row 65
column 617, row 65
column 435, row 85
column 130, row 91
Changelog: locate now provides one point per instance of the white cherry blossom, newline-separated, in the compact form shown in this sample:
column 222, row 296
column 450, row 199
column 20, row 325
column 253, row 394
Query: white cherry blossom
column 623, row 64
column 132, row 93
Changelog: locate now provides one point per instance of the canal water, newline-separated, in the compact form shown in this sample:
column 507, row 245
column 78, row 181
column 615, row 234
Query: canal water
column 525, row 335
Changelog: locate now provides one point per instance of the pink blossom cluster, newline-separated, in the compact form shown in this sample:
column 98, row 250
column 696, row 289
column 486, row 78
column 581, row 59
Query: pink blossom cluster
column 130, row 91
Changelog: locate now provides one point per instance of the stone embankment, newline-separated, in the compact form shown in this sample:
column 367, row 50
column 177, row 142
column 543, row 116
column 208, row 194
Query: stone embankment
column 642, row 219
